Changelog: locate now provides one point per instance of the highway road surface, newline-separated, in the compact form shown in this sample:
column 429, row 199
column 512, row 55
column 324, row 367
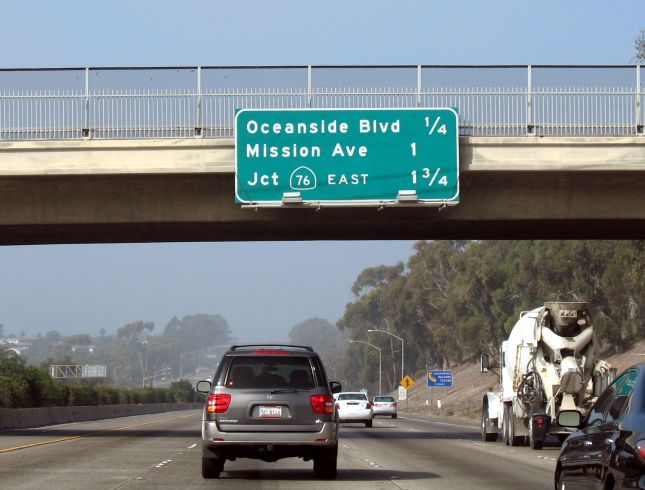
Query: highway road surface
column 164, row 451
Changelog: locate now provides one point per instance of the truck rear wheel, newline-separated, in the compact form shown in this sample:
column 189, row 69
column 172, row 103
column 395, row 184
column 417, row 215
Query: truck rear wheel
column 486, row 424
column 513, row 440
column 505, row 424
column 534, row 442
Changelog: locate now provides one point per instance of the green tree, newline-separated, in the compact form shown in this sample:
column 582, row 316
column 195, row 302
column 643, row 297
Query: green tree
column 318, row 333
column 457, row 299
column 639, row 46
column 182, row 391
column 197, row 333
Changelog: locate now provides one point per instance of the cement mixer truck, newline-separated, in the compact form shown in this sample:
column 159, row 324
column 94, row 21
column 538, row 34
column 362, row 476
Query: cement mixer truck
column 549, row 363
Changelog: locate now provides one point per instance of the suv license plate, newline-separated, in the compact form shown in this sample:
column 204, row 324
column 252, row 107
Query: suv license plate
column 270, row 412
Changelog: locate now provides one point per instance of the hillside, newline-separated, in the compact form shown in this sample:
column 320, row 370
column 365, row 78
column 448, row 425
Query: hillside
column 464, row 399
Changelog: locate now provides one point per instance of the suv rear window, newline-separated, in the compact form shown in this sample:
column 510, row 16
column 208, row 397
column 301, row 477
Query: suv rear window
column 352, row 396
column 270, row 372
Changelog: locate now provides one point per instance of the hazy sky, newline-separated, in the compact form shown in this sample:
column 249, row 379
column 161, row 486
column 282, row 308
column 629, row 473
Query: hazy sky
column 262, row 289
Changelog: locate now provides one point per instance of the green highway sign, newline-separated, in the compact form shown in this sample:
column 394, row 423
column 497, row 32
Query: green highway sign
column 347, row 156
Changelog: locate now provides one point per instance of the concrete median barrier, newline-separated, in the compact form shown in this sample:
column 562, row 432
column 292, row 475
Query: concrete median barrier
column 22, row 418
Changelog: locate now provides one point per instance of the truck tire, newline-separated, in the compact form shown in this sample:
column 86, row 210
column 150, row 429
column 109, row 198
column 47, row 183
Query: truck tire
column 513, row 440
column 534, row 442
column 505, row 423
column 486, row 423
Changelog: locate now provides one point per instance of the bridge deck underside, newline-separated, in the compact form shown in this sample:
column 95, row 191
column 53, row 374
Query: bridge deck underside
column 200, row 207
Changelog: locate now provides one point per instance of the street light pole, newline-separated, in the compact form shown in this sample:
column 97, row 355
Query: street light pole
column 154, row 376
column 379, row 360
column 402, row 347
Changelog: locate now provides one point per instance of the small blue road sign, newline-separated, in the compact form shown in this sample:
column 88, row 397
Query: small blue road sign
column 440, row 379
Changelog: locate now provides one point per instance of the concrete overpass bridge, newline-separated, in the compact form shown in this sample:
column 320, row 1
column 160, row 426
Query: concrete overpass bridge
column 138, row 155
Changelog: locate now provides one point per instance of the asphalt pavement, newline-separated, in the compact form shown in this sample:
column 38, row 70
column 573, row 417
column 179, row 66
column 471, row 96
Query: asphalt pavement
column 164, row 451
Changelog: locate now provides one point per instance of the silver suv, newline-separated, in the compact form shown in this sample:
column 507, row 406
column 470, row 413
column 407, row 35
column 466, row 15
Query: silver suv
column 269, row 402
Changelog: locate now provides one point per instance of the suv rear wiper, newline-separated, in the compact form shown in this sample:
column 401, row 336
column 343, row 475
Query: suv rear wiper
column 289, row 390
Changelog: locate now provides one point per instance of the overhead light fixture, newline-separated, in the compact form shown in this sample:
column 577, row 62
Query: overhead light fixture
column 291, row 198
column 407, row 196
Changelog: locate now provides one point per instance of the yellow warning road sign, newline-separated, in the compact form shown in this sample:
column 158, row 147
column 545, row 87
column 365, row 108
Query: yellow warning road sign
column 407, row 382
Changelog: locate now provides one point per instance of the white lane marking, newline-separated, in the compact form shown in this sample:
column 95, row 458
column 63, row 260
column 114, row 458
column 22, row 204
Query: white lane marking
column 164, row 462
column 544, row 458
column 190, row 447
column 441, row 423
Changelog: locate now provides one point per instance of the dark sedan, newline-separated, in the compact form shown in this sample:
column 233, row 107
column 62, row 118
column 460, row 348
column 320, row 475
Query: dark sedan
column 608, row 449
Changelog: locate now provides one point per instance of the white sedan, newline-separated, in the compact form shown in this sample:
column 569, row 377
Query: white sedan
column 384, row 405
column 354, row 407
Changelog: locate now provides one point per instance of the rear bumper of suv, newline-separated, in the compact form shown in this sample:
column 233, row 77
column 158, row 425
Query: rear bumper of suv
column 213, row 437
column 268, row 446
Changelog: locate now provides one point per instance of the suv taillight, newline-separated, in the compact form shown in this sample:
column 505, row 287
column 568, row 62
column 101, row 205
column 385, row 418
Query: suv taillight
column 368, row 406
column 218, row 403
column 322, row 403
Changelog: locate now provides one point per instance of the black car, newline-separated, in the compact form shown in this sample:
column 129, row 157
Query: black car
column 608, row 449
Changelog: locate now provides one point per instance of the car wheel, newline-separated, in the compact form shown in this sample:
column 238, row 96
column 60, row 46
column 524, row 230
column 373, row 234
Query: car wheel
column 326, row 463
column 609, row 482
column 559, row 480
column 368, row 423
column 212, row 467
column 394, row 416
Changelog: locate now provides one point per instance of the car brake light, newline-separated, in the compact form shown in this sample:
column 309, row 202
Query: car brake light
column 218, row 403
column 322, row 403
column 393, row 404
column 640, row 445
column 368, row 406
column 273, row 352
column 338, row 406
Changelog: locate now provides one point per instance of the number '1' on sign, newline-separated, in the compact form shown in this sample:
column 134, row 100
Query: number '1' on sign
column 433, row 125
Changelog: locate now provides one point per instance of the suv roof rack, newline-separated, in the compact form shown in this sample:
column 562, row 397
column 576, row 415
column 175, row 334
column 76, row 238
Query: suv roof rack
column 271, row 346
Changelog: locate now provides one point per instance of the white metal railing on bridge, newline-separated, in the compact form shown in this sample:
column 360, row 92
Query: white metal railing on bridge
column 201, row 101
